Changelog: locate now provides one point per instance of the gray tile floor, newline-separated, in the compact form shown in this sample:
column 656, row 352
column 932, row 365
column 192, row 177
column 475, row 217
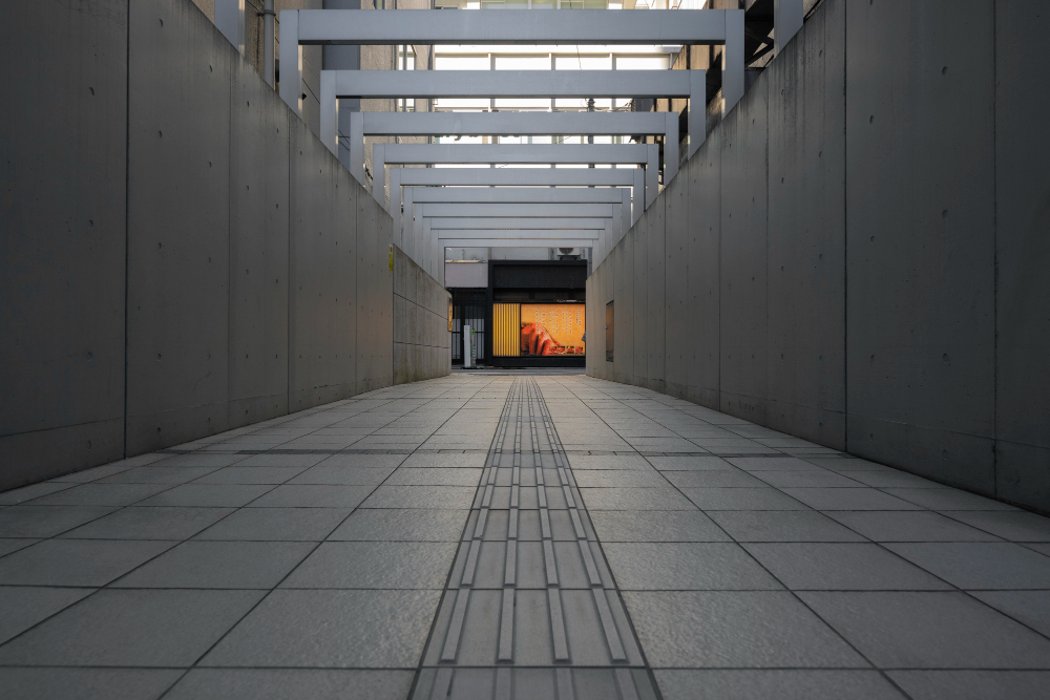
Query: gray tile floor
column 308, row 557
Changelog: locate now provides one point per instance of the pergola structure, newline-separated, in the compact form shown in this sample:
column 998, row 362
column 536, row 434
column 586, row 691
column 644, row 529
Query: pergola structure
column 450, row 200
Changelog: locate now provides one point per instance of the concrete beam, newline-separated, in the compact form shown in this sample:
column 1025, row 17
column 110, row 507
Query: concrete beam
column 788, row 16
column 517, row 195
column 518, row 234
column 517, row 177
column 336, row 84
column 429, row 178
column 432, row 154
column 525, row 211
column 512, row 27
column 524, row 243
column 496, row 223
column 229, row 18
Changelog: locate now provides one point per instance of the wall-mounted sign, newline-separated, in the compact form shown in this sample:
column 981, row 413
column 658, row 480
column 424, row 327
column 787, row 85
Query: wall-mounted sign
column 539, row 330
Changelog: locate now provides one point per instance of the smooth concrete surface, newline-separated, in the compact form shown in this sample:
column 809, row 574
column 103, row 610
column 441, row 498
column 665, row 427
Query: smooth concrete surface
column 421, row 338
column 202, row 263
column 58, row 216
column 1023, row 289
column 178, row 190
column 360, row 550
column 920, row 253
column 864, row 249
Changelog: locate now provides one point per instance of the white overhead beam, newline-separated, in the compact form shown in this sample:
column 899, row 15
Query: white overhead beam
column 527, row 211
column 393, row 27
column 517, row 177
column 497, row 83
column 516, row 154
column 788, row 16
column 522, row 243
column 493, row 223
column 512, row 27
column 512, row 123
column 229, row 18
column 516, row 195
column 336, row 84
column 430, row 178
column 432, row 154
column 518, row 234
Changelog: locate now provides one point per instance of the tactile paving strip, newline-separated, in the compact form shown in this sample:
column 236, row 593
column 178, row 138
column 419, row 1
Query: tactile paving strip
column 530, row 609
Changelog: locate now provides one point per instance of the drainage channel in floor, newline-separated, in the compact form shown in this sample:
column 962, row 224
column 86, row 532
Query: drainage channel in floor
column 530, row 609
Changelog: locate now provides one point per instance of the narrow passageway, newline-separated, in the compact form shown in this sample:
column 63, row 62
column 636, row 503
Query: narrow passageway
column 516, row 535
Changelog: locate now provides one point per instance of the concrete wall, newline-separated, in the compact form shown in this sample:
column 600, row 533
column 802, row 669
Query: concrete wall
column 179, row 254
column 62, row 236
column 421, row 337
column 857, row 254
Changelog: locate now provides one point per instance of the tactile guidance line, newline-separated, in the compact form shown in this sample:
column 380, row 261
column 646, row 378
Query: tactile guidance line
column 531, row 610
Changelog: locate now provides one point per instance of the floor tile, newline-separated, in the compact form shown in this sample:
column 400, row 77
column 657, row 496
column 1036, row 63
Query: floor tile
column 770, row 463
column 387, row 565
column 402, row 524
column 1015, row 525
column 387, row 496
column 930, row 630
column 805, row 478
column 199, row 459
column 157, row 475
column 914, row 526
column 76, row 562
column 634, row 499
column 281, row 460
column 947, row 499
column 46, row 521
column 28, row 493
column 972, row 685
column 85, row 683
column 238, row 474
column 150, row 523
column 330, row 629
column 277, row 524
column 655, row 526
column 849, row 499
column 980, row 565
column 782, row 526
column 22, row 608
column 332, row 474
column 606, row 462
column 841, row 566
column 687, row 463
column 160, row 628
column 291, row 684
column 303, row 496
column 721, row 629
column 101, row 495
column 712, row 478
column 219, row 565
column 1030, row 607
column 621, row 478
column 685, row 567
column 783, row 685
column 434, row 476
column 208, row 495
column 883, row 478
column 445, row 460
column 742, row 499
